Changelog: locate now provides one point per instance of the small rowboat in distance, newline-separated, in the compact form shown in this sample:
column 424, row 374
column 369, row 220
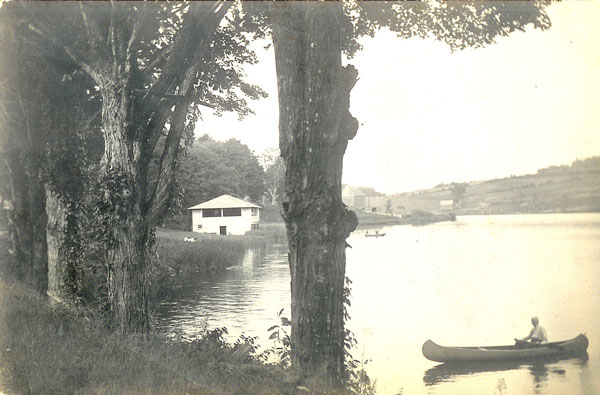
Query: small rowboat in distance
column 374, row 234
column 527, row 351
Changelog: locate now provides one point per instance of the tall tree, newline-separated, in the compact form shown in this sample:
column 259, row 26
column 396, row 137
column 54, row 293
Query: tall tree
column 213, row 168
column 74, row 145
column 250, row 176
column 274, row 180
column 274, row 167
column 23, row 126
column 315, row 125
column 458, row 191
column 146, row 61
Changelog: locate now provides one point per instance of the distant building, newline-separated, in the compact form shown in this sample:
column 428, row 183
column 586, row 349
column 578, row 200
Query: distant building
column 363, row 198
column 446, row 205
column 225, row 215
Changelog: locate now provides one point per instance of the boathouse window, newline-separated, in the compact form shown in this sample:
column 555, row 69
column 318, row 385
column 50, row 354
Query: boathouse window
column 254, row 211
column 199, row 226
column 211, row 212
column 232, row 212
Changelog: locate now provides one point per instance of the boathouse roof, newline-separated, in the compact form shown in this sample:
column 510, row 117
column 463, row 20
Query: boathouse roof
column 224, row 201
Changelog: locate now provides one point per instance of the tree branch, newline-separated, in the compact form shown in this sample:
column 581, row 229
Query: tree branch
column 156, row 61
column 111, row 40
column 12, row 120
column 194, row 37
column 134, row 31
column 155, row 126
column 26, row 117
column 205, row 104
column 77, row 57
column 165, row 182
column 91, row 28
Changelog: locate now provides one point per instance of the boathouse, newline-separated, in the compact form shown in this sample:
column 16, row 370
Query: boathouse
column 363, row 198
column 446, row 205
column 225, row 215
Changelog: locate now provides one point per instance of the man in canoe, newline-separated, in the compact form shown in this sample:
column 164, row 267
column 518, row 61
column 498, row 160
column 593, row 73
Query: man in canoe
column 537, row 334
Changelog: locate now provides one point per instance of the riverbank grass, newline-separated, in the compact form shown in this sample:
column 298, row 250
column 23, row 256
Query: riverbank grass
column 179, row 263
column 48, row 350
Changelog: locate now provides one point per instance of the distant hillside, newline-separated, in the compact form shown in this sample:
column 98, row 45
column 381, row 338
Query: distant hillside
column 574, row 188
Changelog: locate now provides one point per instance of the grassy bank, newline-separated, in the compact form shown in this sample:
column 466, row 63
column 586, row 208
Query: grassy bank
column 416, row 217
column 557, row 189
column 269, row 233
column 209, row 252
column 179, row 262
column 48, row 350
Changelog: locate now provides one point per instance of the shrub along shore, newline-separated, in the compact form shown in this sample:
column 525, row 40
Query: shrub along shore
column 47, row 348
column 180, row 261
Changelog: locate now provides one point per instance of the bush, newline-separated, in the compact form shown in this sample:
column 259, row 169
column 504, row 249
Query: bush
column 47, row 350
column 179, row 261
column 268, row 234
column 271, row 214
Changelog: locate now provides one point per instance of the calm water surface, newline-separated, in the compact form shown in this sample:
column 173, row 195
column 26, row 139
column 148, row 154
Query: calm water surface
column 473, row 282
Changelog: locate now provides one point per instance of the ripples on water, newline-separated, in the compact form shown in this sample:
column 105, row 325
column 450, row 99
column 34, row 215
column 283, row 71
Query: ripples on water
column 245, row 298
column 475, row 281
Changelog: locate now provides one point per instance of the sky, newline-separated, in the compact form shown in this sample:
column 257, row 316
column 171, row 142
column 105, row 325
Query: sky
column 429, row 116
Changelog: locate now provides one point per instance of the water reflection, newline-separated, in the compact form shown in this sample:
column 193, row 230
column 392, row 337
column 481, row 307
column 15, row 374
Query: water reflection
column 236, row 297
column 464, row 282
column 540, row 370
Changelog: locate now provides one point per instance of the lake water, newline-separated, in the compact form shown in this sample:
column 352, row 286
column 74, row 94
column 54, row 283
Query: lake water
column 476, row 281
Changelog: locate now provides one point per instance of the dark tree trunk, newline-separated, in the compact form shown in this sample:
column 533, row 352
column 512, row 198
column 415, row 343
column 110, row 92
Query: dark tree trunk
column 128, row 228
column 64, row 249
column 128, row 262
column 137, row 104
column 315, row 126
column 24, row 131
column 27, row 218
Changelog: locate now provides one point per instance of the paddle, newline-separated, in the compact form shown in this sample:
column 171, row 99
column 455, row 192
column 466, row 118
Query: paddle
column 525, row 344
column 519, row 343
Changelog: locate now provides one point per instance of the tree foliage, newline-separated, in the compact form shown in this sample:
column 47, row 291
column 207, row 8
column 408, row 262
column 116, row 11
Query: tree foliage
column 314, row 94
column 458, row 191
column 51, row 128
column 214, row 168
column 151, row 65
column 161, row 56
column 274, row 166
column 23, row 130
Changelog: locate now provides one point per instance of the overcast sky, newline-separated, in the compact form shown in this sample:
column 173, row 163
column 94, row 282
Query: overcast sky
column 430, row 116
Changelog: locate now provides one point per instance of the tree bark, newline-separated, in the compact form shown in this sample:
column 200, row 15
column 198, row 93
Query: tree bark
column 131, row 205
column 315, row 125
column 124, row 207
column 27, row 224
column 64, row 249
column 128, row 262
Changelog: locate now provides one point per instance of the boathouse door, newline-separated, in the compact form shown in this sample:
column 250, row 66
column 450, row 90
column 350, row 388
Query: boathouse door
column 223, row 230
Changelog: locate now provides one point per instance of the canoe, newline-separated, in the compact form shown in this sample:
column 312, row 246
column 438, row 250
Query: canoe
column 448, row 372
column 374, row 234
column 526, row 351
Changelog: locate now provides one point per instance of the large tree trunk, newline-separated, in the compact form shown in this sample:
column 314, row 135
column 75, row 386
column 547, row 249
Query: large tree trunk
column 128, row 263
column 127, row 226
column 27, row 222
column 138, row 101
column 315, row 126
column 64, row 249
